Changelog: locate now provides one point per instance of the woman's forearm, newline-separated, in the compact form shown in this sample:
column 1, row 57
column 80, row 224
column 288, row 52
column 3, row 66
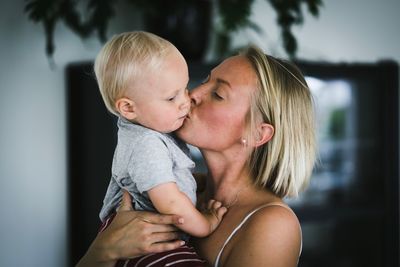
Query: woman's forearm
column 101, row 252
column 95, row 257
column 86, row 261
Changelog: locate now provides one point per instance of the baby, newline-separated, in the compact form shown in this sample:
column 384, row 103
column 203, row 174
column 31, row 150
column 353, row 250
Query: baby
column 143, row 80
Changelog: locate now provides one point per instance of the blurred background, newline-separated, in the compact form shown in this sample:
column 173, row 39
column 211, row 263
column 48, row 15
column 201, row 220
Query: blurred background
column 35, row 99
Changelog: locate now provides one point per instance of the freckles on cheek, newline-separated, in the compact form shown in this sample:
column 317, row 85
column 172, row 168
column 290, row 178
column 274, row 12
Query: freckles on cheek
column 225, row 125
column 212, row 119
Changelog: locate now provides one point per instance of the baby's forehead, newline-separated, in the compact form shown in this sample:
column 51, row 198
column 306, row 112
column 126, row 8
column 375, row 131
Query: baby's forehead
column 150, row 84
column 154, row 64
column 162, row 74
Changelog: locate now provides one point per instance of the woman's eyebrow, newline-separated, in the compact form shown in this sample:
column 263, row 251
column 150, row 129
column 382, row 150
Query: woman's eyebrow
column 219, row 80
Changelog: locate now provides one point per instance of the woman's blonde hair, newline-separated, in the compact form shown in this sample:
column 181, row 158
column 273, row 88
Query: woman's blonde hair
column 283, row 99
column 124, row 59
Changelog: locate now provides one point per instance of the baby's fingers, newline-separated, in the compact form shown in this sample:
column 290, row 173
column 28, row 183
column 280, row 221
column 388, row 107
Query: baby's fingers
column 216, row 208
column 213, row 204
column 210, row 203
column 220, row 212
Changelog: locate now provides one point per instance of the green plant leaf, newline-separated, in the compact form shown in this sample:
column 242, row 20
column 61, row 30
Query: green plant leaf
column 289, row 13
column 73, row 20
column 101, row 13
column 234, row 13
column 40, row 10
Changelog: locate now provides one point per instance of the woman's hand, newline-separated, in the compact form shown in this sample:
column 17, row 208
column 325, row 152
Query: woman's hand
column 131, row 234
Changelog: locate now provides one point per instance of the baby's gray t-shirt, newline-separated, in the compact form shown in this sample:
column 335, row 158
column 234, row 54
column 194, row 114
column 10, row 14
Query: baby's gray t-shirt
column 143, row 159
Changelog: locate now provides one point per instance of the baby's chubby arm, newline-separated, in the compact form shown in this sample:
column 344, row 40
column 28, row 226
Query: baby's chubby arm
column 168, row 199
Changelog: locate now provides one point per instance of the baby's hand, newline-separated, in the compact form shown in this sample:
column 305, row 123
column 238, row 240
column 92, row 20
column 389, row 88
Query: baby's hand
column 214, row 213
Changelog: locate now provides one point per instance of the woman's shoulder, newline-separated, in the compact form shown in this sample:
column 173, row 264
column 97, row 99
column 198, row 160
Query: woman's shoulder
column 274, row 209
column 271, row 235
column 269, row 219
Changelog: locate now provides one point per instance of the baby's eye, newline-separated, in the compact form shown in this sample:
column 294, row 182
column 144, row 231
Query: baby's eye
column 171, row 98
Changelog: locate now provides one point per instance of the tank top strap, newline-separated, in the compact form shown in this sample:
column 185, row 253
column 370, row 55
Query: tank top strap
column 244, row 220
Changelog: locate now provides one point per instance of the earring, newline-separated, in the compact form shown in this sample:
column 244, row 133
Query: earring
column 244, row 141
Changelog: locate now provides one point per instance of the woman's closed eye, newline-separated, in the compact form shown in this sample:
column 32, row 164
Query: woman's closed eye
column 216, row 96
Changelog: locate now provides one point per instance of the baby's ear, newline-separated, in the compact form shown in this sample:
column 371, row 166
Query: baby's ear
column 126, row 107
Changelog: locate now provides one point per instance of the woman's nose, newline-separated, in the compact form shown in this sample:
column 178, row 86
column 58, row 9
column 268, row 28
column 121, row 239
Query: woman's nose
column 186, row 101
column 196, row 95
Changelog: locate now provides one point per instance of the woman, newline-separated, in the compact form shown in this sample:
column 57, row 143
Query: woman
column 253, row 121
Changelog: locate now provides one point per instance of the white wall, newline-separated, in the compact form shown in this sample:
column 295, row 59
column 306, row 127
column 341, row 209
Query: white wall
column 32, row 108
column 33, row 138
column 355, row 30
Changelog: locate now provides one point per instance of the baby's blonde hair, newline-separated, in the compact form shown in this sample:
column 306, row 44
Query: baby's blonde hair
column 124, row 59
column 283, row 99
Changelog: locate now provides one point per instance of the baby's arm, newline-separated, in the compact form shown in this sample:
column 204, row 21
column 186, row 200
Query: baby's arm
column 168, row 199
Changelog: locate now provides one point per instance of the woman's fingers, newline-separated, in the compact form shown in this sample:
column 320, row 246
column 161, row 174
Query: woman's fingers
column 150, row 238
column 137, row 237
column 155, row 227
column 150, row 217
column 142, row 232
column 132, row 233
column 150, row 227
column 160, row 247
column 155, row 218
column 164, row 237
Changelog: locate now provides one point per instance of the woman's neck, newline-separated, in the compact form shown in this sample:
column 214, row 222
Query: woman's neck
column 227, row 177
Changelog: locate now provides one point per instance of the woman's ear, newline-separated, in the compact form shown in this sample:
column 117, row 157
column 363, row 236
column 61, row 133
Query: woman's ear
column 265, row 132
column 126, row 107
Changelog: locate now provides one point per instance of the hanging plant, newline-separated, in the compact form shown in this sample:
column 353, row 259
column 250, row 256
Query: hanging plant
column 234, row 15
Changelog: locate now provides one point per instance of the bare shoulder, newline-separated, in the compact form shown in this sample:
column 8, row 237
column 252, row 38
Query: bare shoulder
column 271, row 237
column 272, row 218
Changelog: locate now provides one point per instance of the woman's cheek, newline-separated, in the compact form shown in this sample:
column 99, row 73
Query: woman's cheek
column 224, row 128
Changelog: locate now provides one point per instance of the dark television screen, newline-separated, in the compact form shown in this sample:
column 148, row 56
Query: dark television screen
column 349, row 213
